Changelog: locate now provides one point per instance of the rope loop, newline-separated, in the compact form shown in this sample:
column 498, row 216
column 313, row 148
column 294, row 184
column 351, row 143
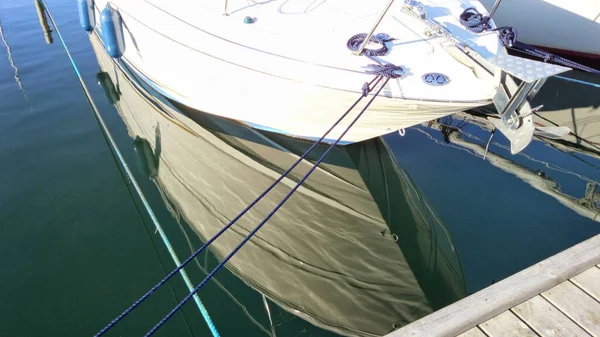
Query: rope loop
column 474, row 21
column 356, row 41
column 508, row 36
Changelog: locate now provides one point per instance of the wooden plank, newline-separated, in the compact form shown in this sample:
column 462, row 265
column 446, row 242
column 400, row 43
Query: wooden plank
column 579, row 306
column 589, row 281
column 475, row 332
column 501, row 296
column 506, row 325
column 546, row 320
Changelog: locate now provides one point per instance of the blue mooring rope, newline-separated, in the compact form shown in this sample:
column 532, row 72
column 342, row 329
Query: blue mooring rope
column 477, row 23
column 115, row 149
column 574, row 80
column 247, row 238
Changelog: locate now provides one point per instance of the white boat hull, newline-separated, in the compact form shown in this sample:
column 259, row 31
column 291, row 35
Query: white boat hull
column 567, row 26
column 292, row 89
column 307, row 111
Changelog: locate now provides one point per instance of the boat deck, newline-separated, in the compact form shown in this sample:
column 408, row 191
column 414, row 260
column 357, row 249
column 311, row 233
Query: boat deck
column 559, row 296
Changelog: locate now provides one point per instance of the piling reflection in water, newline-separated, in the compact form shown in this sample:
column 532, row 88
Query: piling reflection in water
column 357, row 250
column 41, row 12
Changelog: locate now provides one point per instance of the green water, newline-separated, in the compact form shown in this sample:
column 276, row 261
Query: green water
column 76, row 249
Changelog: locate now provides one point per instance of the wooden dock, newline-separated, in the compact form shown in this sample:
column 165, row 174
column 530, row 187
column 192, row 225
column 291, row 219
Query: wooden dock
column 559, row 296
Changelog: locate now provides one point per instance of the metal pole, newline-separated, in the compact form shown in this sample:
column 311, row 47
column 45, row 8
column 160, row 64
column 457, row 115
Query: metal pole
column 364, row 44
column 226, row 2
column 496, row 4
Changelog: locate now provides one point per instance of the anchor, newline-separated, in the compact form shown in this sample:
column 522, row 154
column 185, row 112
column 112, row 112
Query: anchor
column 513, row 101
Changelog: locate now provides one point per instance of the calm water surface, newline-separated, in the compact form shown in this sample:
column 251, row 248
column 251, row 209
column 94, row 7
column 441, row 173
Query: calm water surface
column 383, row 233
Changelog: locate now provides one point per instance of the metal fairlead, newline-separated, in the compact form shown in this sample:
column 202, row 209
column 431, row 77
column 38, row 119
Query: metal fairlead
column 435, row 79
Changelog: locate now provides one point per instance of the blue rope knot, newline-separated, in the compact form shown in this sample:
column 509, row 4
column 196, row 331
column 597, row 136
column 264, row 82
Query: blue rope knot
column 475, row 21
column 365, row 89
column 381, row 38
column 386, row 70
column 508, row 36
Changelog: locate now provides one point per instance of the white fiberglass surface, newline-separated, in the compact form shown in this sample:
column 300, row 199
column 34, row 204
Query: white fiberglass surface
column 275, row 43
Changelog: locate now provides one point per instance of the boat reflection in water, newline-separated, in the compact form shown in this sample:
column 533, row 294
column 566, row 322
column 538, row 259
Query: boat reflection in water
column 357, row 250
